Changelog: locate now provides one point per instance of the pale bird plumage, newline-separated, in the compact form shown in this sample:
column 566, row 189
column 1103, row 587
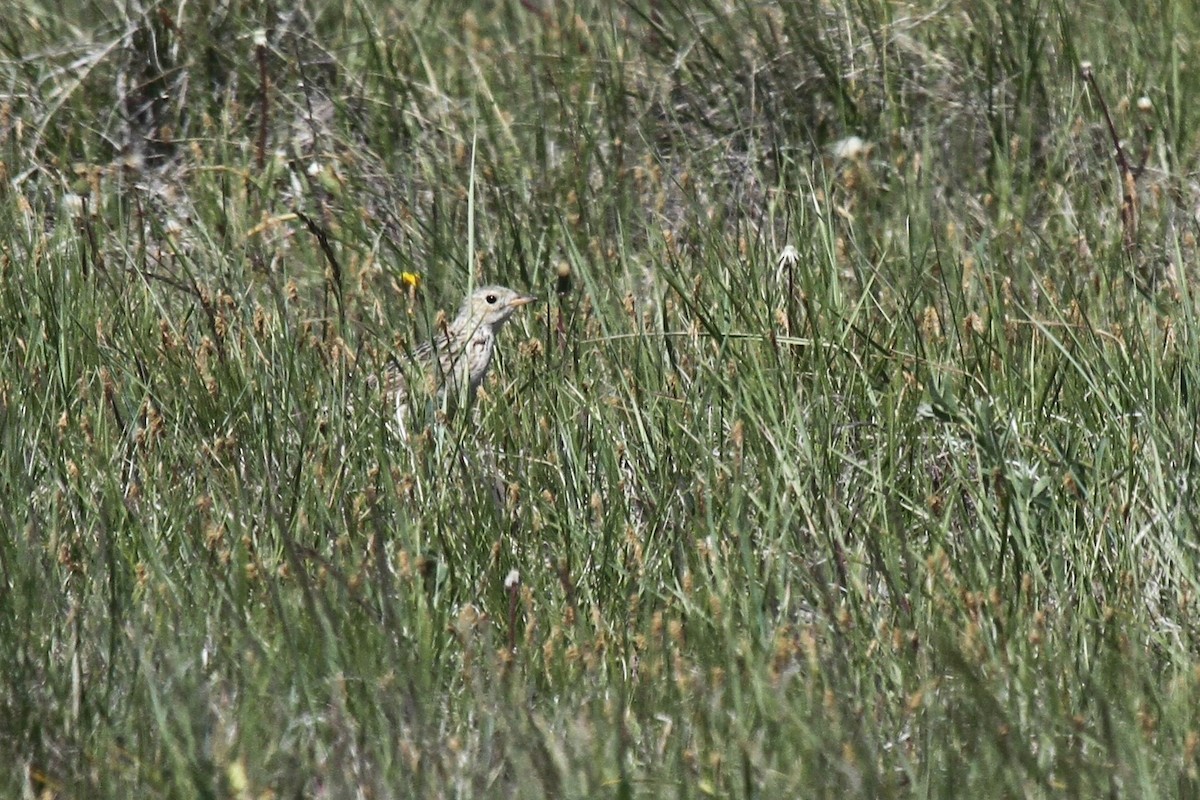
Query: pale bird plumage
column 457, row 359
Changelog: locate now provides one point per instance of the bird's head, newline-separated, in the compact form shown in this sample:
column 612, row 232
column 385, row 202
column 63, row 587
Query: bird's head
column 490, row 306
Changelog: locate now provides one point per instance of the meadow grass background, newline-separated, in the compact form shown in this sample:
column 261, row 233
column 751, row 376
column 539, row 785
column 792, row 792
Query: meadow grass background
column 909, row 515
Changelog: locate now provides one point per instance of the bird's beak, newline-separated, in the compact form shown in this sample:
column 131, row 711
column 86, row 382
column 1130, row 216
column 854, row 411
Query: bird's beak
column 524, row 300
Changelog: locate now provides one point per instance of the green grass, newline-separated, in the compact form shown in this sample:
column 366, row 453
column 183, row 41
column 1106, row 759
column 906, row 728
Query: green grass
column 911, row 517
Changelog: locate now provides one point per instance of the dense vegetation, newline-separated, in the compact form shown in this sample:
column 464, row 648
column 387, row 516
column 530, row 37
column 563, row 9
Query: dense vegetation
column 850, row 452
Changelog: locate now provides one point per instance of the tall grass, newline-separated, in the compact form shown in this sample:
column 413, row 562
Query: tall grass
column 907, row 514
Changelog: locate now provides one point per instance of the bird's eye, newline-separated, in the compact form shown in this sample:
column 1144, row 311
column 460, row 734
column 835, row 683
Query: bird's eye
column 491, row 298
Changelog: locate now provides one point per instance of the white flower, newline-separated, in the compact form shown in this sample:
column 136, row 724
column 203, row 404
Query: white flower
column 850, row 149
column 790, row 257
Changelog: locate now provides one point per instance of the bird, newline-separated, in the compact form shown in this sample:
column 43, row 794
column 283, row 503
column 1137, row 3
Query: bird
column 456, row 361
